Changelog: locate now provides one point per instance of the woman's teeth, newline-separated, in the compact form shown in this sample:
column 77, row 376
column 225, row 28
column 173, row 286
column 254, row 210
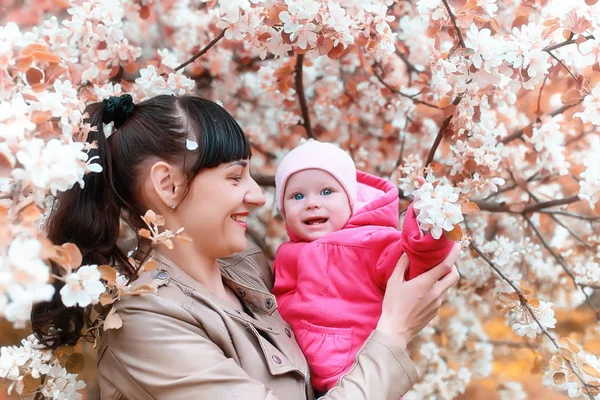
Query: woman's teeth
column 239, row 218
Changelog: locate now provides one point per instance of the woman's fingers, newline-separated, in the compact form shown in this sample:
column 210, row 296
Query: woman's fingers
column 400, row 270
column 447, row 281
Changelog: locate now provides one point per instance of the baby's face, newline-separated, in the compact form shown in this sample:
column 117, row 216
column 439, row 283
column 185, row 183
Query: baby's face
column 315, row 204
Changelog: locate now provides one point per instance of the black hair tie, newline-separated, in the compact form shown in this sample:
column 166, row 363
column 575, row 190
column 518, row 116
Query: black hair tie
column 118, row 109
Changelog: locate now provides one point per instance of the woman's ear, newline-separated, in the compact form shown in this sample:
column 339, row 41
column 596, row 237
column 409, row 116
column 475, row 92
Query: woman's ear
column 166, row 181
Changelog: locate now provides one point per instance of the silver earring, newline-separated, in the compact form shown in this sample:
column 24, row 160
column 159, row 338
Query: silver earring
column 172, row 207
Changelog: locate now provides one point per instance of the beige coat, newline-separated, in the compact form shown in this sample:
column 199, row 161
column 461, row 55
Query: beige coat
column 184, row 343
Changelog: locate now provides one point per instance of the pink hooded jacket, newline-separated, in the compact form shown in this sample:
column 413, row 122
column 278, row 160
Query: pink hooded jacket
column 331, row 290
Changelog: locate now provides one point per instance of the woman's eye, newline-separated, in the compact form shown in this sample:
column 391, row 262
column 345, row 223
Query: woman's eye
column 298, row 196
column 326, row 192
column 237, row 178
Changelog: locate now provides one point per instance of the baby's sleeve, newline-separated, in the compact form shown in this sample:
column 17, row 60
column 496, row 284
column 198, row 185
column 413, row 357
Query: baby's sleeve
column 285, row 268
column 423, row 251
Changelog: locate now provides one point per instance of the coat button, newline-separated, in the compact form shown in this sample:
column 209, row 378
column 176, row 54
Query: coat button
column 288, row 333
column 269, row 303
column 162, row 275
column 241, row 293
column 276, row 359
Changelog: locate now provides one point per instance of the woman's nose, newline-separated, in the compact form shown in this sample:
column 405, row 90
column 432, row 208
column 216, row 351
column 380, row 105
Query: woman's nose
column 255, row 195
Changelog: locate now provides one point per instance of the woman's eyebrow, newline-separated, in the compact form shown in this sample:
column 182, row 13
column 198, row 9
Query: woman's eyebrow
column 239, row 162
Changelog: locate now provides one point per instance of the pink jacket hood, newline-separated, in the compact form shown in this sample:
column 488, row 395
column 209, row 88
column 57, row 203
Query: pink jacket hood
column 376, row 204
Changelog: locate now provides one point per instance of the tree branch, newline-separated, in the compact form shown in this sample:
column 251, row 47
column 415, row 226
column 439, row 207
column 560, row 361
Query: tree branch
column 527, row 306
column 453, row 18
column 203, row 51
column 563, row 64
column 591, row 219
column 410, row 66
column 518, row 133
column 562, row 263
column 565, row 43
column 398, row 92
column 521, row 209
column 440, row 134
column 302, row 96
column 264, row 180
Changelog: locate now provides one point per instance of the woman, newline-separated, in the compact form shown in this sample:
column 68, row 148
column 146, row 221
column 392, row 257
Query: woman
column 213, row 329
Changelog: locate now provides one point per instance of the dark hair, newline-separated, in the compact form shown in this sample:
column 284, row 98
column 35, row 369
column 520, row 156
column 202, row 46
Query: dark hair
column 90, row 216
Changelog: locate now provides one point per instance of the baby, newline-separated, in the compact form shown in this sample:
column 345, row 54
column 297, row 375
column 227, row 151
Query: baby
column 331, row 276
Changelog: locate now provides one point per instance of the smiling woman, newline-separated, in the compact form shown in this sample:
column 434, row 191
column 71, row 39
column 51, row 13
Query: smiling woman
column 143, row 149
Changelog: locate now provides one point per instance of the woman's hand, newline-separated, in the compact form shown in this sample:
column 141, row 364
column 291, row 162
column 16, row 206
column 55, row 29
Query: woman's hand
column 408, row 306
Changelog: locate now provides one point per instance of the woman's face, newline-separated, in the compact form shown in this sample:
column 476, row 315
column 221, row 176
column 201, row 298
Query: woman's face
column 214, row 212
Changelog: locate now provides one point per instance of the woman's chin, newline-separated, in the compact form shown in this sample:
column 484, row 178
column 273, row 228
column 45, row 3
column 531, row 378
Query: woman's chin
column 239, row 244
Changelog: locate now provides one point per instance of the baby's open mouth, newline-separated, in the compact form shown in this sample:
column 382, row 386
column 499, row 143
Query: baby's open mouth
column 315, row 221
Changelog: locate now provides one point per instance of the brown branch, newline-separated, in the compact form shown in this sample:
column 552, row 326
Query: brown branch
column 574, row 139
column 262, row 150
column 551, row 203
column 453, row 18
column 518, row 208
column 203, row 51
column 518, row 133
column 562, row 263
column 576, row 236
column 410, row 66
column 527, row 306
column 398, row 92
column 264, row 180
column 591, row 219
column 440, row 134
column 302, row 96
column 539, row 101
column 563, row 64
column 565, row 43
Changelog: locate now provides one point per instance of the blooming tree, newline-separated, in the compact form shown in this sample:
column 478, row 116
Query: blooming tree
column 495, row 103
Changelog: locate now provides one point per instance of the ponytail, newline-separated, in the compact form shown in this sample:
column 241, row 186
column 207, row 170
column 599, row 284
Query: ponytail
column 89, row 217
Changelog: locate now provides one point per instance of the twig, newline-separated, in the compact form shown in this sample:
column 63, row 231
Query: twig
column 539, row 109
column 551, row 203
column 453, row 18
column 574, row 139
column 527, row 306
column 262, row 149
column 516, row 208
column 563, row 64
column 410, row 66
column 519, row 132
column 204, row 50
column 398, row 92
column 264, row 180
column 576, row 236
column 302, row 96
column 562, row 263
column 565, row 43
column 572, row 215
column 440, row 134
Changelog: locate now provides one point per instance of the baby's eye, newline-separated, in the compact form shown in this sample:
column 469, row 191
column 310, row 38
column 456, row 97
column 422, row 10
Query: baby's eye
column 326, row 192
column 298, row 196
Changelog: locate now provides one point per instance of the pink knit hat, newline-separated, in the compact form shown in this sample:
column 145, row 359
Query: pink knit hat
column 317, row 155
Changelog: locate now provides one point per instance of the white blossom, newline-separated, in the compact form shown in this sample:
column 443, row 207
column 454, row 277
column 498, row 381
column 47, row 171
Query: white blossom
column 82, row 287
column 438, row 208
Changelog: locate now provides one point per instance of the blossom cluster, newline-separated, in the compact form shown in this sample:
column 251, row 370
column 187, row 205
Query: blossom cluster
column 437, row 206
column 29, row 364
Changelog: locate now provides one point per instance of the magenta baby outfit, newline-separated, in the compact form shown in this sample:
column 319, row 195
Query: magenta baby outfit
column 330, row 290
